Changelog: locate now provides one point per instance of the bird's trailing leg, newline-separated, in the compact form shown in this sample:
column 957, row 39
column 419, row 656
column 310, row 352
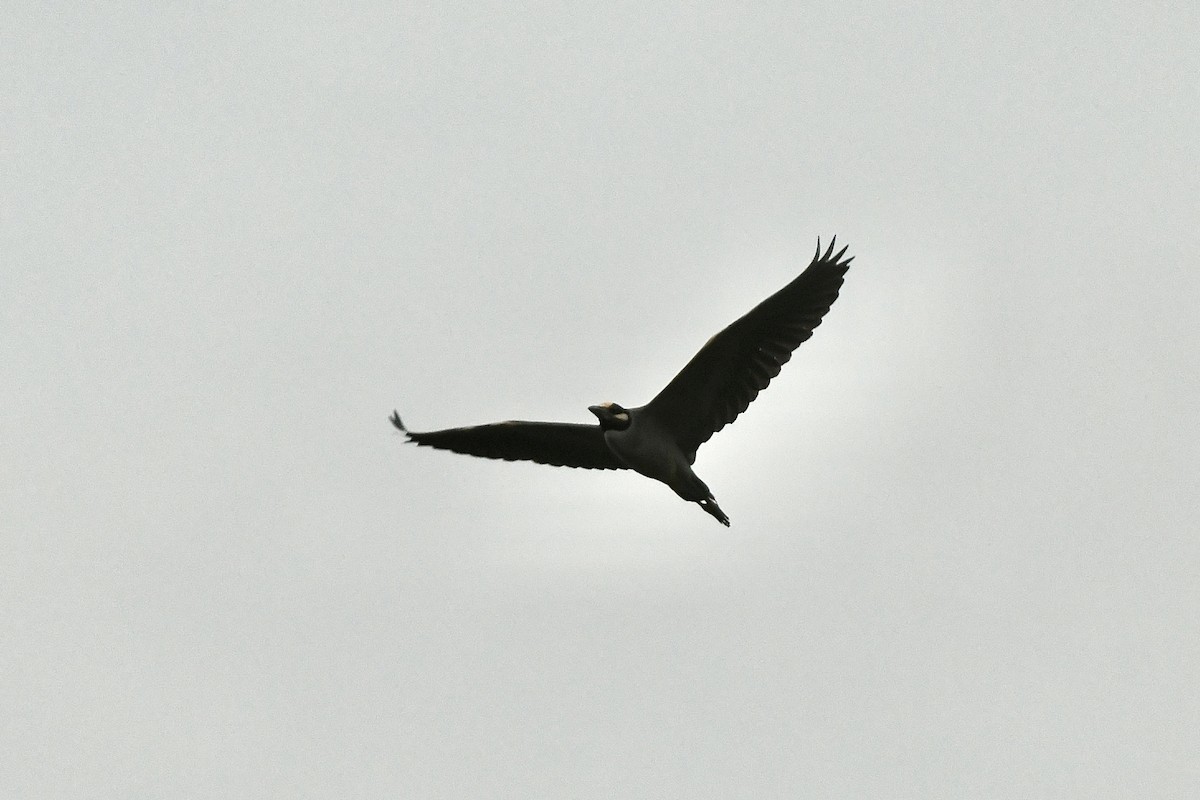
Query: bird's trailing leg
column 710, row 505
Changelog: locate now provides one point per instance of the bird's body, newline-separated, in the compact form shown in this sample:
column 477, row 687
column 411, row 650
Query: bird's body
column 648, row 446
column 660, row 439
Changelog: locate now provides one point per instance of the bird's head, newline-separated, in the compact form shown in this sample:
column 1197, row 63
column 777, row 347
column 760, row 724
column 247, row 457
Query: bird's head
column 612, row 416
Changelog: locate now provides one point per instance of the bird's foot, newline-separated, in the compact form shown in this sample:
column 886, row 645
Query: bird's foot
column 710, row 505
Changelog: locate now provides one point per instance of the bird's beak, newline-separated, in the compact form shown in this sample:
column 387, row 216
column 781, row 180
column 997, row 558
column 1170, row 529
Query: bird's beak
column 599, row 411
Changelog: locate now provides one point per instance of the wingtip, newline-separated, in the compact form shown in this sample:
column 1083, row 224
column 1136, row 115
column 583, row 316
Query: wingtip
column 828, row 257
column 824, row 254
column 395, row 420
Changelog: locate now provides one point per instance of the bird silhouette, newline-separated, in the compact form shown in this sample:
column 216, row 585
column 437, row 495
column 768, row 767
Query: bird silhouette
column 660, row 439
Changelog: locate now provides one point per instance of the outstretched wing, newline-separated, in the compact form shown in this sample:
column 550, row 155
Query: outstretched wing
column 721, row 381
column 561, row 444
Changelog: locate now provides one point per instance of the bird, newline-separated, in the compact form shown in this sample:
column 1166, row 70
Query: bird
column 660, row 439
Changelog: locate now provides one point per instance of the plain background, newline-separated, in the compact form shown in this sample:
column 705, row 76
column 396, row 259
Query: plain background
column 963, row 560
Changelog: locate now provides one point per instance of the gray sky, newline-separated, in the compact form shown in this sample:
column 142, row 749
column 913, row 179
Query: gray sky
column 964, row 558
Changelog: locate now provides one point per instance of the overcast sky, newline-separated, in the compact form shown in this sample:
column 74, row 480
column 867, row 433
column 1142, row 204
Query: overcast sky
column 964, row 558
